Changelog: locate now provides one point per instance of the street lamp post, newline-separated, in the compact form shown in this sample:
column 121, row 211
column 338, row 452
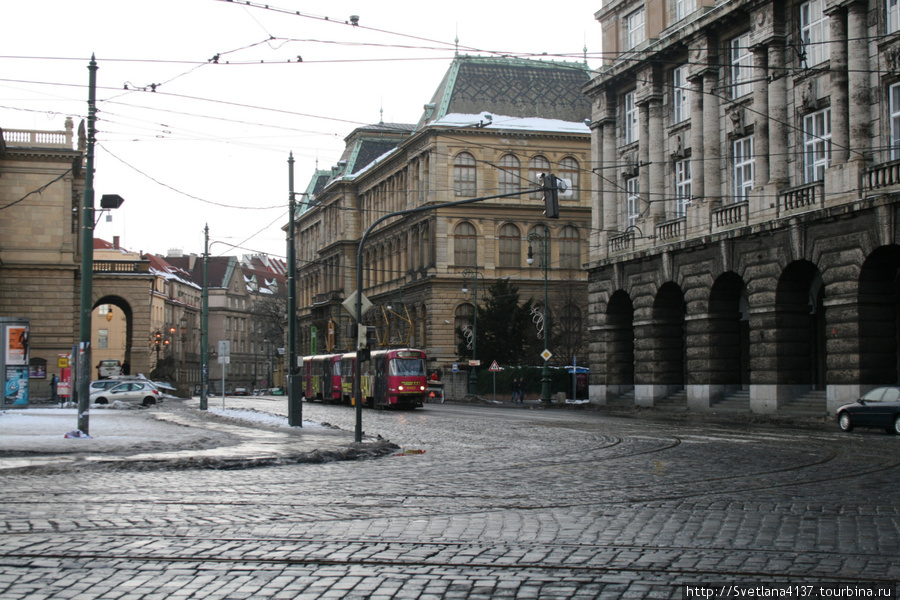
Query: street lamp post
column 545, row 244
column 473, row 372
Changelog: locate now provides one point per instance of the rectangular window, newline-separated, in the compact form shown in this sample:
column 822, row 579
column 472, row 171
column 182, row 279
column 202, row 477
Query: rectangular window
column 741, row 66
column 814, row 32
column 743, row 168
column 103, row 338
column 816, row 145
column 895, row 121
column 681, row 95
column 635, row 24
column 682, row 187
column 632, row 201
column 631, row 119
column 893, row 16
column 683, row 8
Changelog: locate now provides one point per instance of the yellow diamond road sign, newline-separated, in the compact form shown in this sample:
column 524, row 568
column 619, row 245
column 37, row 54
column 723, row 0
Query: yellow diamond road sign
column 546, row 354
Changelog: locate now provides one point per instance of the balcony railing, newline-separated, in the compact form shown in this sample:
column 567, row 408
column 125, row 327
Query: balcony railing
column 671, row 230
column 121, row 266
column 880, row 176
column 621, row 242
column 34, row 139
column 730, row 215
column 804, row 197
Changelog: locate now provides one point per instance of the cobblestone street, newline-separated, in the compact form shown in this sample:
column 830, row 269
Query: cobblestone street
column 480, row 502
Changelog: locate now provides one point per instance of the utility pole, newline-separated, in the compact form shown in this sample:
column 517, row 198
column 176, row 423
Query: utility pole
column 295, row 406
column 83, row 366
column 204, row 325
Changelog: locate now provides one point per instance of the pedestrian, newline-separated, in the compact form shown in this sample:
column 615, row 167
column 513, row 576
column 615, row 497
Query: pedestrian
column 521, row 388
column 126, row 368
column 516, row 390
column 54, row 380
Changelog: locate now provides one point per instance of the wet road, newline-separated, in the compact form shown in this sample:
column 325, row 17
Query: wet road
column 480, row 502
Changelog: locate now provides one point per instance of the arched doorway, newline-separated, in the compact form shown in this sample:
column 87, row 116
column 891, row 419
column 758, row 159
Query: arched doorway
column 800, row 327
column 620, row 344
column 668, row 335
column 729, row 333
column 879, row 317
column 112, row 330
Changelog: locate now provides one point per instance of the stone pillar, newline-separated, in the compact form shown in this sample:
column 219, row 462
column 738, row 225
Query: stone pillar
column 697, row 172
column 857, row 80
column 655, row 190
column 597, row 185
column 840, row 124
column 644, row 158
column 761, row 116
column 712, row 167
column 777, row 104
column 609, row 173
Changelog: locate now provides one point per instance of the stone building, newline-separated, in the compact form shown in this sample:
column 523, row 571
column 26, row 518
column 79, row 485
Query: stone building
column 745, row 204
column 493, row 126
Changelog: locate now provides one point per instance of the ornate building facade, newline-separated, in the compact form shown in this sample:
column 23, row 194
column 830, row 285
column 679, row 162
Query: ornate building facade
column 745, row 204
column 492, row 127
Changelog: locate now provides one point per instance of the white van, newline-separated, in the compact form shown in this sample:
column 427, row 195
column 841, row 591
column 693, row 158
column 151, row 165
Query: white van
column 109, row 368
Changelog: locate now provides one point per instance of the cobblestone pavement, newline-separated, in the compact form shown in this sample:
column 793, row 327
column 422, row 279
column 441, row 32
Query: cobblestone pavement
column 480, row 502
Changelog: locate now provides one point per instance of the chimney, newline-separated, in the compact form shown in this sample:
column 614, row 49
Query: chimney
column 115, row 242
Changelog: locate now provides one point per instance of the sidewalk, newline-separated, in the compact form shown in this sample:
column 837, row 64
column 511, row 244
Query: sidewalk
column 170, row 436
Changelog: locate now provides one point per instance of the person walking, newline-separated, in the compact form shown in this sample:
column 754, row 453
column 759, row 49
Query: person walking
column 54, row 381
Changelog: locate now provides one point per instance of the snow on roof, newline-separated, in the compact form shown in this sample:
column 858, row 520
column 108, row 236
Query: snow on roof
column 516, row 123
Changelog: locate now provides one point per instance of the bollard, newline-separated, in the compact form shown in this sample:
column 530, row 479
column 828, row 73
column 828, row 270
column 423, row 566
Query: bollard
column 295, row 404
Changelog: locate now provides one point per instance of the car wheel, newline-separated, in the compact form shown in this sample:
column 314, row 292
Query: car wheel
column 896, row 428
column 148, row 401
column 101, row 400
column 845, row 422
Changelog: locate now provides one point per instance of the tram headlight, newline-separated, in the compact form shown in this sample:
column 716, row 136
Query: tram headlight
column 399, row 388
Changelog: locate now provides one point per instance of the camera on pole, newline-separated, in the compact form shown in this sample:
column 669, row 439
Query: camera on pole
column 552, row 185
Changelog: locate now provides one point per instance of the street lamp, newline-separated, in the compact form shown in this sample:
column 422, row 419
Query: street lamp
column 545, row 244
column 473, row 372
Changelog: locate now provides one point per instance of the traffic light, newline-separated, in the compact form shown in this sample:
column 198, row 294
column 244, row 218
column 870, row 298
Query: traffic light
column 366, row 340
column 551, row 185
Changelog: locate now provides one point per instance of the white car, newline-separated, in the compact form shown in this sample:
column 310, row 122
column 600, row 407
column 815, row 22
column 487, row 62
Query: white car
column 128, row 391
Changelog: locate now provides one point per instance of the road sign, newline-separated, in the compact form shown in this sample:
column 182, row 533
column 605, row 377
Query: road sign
column 350, row 304
column 474, row 363
column 224, row 347
column 495, row 366
column 546, row 354
column 455, row 367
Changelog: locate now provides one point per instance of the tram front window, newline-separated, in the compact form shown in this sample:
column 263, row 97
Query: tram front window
column 407, row 367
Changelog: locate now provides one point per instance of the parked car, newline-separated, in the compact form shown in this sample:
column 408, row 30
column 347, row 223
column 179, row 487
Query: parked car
column 876, row 408
column 128, row 391
column 109, row 368
column 241, row 392
column 105, row 384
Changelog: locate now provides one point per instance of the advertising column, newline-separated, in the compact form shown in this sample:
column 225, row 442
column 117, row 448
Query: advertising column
column 14, row 359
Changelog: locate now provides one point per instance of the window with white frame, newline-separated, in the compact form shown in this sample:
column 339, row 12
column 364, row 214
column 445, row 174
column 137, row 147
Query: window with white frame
column 893, row 16
column 569, row 169
column 630, row 118
column 510, row 246
column 681, row 95
column 509, row 175
column 741, row 66
column 894, row 94
column 816, row 145
column 682, row 187
column 464, row 172
column 683, row 8
column 743, row 168
column 814, row 32
column 103, row 338
column 634, row 24
column 632, row 201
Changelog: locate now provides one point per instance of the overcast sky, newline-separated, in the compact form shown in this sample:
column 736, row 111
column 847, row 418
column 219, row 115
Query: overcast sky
column 232, row 98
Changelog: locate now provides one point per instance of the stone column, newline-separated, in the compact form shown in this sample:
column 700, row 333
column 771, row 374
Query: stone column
column 609, row 174
column 644, row 158
column 761, row 115
column 597, row 185
column 697, row 172
column 777, row 103
column 857, row 80
column 712, row 167
column 655, row 191
column 840, row 124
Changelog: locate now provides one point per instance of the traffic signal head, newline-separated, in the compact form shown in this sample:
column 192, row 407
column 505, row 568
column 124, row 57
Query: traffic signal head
column 551, row 186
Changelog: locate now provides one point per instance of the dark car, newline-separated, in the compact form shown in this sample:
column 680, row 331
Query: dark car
column 877, row 408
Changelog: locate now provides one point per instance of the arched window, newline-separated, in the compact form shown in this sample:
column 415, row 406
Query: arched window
column 569, row 248
column 509, row 175
column 569, row 169
column 510, row 246
column 464, row 172
column 538, row 165
column 536, row 243
column 465, row 245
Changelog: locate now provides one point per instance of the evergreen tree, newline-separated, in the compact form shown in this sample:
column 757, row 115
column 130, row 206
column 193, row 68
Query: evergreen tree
column 503, row 326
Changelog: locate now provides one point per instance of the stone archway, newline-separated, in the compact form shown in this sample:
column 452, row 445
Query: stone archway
column 879, row 318
column 800, row 329
column 131, row 294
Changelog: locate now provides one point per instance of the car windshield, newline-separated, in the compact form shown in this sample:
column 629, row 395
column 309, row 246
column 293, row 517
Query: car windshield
column 875, row 395
column 407, row 367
